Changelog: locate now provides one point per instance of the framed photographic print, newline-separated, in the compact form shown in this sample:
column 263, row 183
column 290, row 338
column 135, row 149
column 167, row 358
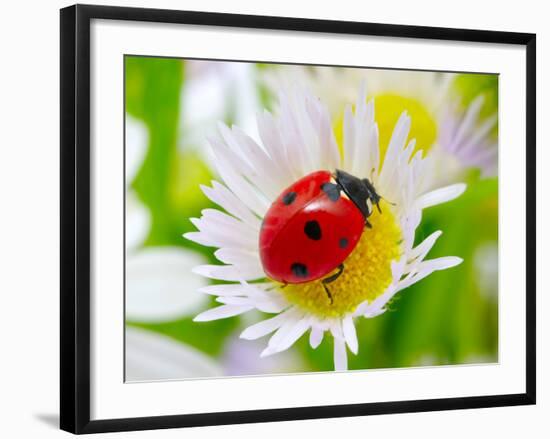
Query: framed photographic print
column 268, row 218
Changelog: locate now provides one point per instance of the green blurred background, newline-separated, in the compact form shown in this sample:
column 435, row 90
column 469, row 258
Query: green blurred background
column 451, row 317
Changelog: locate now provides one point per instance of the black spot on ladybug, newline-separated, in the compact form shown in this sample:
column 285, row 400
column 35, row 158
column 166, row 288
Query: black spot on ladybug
column 289, row 198
column 343, row 242
column 313, row 230
column 299, row 269
column 332, row 190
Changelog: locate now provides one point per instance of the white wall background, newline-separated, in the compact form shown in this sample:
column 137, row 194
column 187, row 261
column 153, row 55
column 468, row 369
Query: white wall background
column 29, row 250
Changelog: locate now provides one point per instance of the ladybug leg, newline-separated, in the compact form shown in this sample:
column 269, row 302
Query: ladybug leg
column 274, row 287
column 333, row 277
column 328, row 292
column 368, row 224
column 330, row 279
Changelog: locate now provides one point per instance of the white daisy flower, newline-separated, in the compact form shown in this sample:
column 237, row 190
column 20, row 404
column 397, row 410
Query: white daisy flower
column 458, row 139
column 300, row 140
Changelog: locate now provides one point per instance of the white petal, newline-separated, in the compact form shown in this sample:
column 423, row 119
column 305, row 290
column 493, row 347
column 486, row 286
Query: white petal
column 428, row 267
column 226, row 231
column 340, row 355
column 271, row 306
column 219, row 235
column 374, row 150
column 316, row 336
column 160, row 285
column 226, row 199
column 236, row 289
column 266, row 300
column 151, row 357
column 440, row 195
column 234, row 300
column 349, row 138
column 262, row 304
column 239, row 258
column 366, row 143
column 330, row 155
column 239, row 289
column 291, row 336
column 222, row 312
column 231, row 151
column 266, row 172
column 245, row 191
column 265, row 326
column 371, row 313
column 422, row 249
column 350, row 334
column 229, row 272
column 199, row 238
column 376, row 307
column 392, row 160
column 271, row 139
column 440, row 263
column 219, row 217
column 296, row 150
column 294, row 316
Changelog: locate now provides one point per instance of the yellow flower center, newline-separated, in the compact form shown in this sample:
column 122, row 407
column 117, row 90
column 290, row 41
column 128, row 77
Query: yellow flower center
column 367, row 271
column 388, row 108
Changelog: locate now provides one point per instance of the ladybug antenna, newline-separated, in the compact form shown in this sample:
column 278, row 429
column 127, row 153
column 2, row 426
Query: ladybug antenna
column 388, row 201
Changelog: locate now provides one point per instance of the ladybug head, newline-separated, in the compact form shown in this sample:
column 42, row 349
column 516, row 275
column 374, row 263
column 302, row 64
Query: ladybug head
column 358, row 190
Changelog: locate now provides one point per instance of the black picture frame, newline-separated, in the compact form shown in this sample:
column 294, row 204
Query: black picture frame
column 75, row 217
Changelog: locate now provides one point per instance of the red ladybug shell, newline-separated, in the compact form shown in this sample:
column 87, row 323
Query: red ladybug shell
column 309, row 231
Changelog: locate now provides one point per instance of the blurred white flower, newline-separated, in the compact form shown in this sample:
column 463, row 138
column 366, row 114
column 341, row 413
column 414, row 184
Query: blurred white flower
column 486, row 267
column 469, row 141
column 454, row 138
column 137, row 138
column 138, row 221
column 159, row 283
column 151, row 357
column 138, row 218
column 215, row 91
column 297, row 142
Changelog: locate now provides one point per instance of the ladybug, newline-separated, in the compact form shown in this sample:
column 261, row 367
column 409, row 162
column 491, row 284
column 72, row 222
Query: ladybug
column 313, row 226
